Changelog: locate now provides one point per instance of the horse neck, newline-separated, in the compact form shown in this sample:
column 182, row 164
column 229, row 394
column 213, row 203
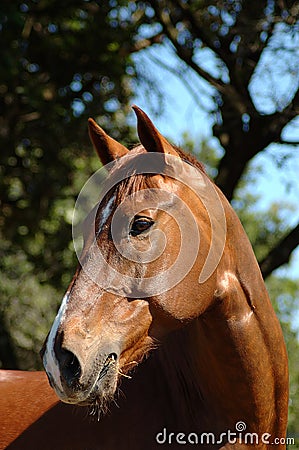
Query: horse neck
column 176, row 365
column 223, row 366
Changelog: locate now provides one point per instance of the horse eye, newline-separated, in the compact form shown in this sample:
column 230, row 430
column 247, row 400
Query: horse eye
column 140, row 225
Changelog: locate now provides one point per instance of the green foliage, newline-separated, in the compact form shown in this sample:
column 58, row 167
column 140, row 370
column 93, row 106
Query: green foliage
column 26, row 308
column 284, row 293
column 58, row 67
column 50, row 84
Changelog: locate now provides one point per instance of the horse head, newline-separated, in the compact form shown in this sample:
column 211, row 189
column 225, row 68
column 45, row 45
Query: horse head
column 138, row 277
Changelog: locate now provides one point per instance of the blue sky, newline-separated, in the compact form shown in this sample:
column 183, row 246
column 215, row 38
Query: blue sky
column 181, row 112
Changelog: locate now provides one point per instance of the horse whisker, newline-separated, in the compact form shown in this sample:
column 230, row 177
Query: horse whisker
column 130, row 363
column 124, row 375
column 116, row 404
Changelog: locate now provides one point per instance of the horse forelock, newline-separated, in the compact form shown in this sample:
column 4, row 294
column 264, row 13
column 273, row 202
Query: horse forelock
column 136, row 182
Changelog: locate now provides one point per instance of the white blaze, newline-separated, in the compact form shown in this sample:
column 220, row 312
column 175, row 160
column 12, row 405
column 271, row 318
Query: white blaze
column 106, row 213
column 50, row 361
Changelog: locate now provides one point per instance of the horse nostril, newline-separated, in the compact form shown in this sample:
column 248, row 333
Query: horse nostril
column 69, row 366
column 112, row 357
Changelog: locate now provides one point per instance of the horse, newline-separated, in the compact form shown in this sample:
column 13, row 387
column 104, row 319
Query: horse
column 166, row 334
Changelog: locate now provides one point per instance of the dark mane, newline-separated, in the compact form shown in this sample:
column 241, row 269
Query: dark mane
column 189, row 158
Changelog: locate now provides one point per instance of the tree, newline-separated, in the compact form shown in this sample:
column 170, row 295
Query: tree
column 58, row 67
column 246, row 40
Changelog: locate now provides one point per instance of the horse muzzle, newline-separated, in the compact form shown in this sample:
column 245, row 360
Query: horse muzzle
column 82, row 381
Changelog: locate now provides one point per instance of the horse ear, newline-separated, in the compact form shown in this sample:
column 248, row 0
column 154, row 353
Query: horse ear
column 106, row 147
column 151, row 139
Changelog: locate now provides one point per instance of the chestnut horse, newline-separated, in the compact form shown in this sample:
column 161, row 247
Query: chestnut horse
column 166, row 334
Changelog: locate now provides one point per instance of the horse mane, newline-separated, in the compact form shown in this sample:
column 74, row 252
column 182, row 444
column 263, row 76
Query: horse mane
column 186, row 156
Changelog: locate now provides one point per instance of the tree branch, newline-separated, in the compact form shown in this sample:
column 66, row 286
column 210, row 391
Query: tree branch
column 281, row 253
column 289, row 112
column 200, row 31
column 240, row 147
column 284, row 142
column 142, row 44
column 183, row 78
column 241, row 143
column 184, row 54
